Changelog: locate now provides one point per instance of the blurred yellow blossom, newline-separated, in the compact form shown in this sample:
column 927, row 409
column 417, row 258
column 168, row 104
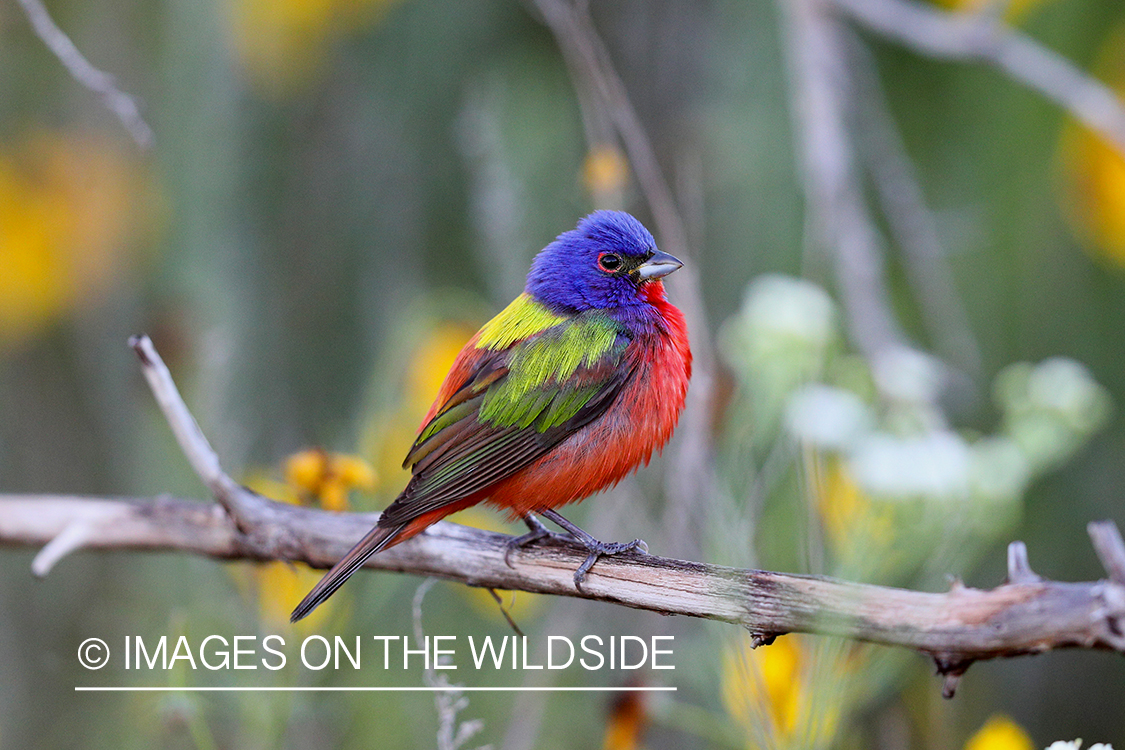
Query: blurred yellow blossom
column 1013, row 9
column 68, row 221
column 1000, row 733
column 605, row 173
column 283, row 43
column 769, row 678
column 278, row 586
column 791, row 693
column 856, row 525
column 328, row 477
column 1094, row 170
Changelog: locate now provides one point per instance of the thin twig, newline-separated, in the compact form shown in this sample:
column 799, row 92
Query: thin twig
column 448, row 700
column 98, row 81
column 984, row 37
column 954, row 628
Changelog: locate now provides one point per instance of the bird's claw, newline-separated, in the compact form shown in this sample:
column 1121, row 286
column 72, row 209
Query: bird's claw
column 538, row 531
column 599, row 549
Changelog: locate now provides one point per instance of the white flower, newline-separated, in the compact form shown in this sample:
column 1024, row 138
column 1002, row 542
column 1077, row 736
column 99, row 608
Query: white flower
column 790, row 308
column 908, row 375
column 1076, row 745
column 828, row 417
column 934, row 465
column 999, row 470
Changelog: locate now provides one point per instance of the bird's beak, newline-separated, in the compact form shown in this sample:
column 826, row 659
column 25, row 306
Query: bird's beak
column 658, row 266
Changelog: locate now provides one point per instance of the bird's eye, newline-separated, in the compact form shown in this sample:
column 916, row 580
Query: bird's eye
column 609, row 262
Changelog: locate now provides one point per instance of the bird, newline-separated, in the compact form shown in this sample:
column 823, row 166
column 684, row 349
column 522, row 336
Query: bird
column 569, row 389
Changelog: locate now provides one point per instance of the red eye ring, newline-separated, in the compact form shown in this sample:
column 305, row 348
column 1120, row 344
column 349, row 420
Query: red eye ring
column 609, row 262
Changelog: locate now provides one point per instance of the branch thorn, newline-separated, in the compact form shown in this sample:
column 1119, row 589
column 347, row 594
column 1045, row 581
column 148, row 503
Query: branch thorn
column 951, row 668
column 72, row 538
column 762, row 639
column 1019, row 569
column 1110, row 548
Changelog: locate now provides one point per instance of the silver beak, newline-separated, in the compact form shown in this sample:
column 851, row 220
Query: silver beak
column 658, row 266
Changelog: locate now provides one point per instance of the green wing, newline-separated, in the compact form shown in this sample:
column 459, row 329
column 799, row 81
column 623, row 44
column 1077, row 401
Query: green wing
column 517, row 404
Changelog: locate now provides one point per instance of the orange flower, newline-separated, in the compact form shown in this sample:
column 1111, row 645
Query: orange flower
column 326, row 478
column 626, row 722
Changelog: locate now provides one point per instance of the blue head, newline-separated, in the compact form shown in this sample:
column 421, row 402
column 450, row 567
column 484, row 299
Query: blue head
column 604, row 263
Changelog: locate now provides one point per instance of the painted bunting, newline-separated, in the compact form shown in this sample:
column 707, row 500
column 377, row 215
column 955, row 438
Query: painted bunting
column 565, row 392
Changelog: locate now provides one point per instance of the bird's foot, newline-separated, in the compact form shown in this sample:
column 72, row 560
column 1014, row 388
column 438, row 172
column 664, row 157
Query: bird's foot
column 593, row 546
column 538, row 531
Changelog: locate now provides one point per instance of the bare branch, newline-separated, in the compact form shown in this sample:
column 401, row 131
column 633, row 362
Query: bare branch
column 70, row 539
column 910, row 221
column 202, row 457
column 984, row 37
column 820, row 87
column 98, row 81
column 955, row 628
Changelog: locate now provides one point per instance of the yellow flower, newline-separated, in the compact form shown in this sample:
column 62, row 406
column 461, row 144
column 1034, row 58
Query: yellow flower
column 328, row 477
column 1014, row 9
column 768, row 680
column 854, row 523
column 1000, row 733
column 283, row 43
column 1094, row 170
column 792, row 693
column 605, row 173
column 67, row 225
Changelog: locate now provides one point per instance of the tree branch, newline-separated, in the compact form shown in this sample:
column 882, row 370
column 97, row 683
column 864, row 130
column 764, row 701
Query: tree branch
column 98, row 81
column 820, row 89
column 984, row 37
column 1025, row 615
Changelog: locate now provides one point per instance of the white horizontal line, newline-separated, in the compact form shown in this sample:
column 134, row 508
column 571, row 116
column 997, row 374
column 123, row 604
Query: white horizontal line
column 363, row 689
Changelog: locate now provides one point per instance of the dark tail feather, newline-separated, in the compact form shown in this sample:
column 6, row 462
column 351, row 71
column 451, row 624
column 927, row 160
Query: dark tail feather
column 376, row 539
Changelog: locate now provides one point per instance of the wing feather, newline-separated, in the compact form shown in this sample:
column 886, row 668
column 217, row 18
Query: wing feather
column 461, row 452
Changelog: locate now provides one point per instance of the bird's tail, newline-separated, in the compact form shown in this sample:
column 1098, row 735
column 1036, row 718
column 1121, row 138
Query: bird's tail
column 378, row 538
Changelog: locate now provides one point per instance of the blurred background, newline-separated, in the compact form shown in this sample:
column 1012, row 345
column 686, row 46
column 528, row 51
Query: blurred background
column 905, row 287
